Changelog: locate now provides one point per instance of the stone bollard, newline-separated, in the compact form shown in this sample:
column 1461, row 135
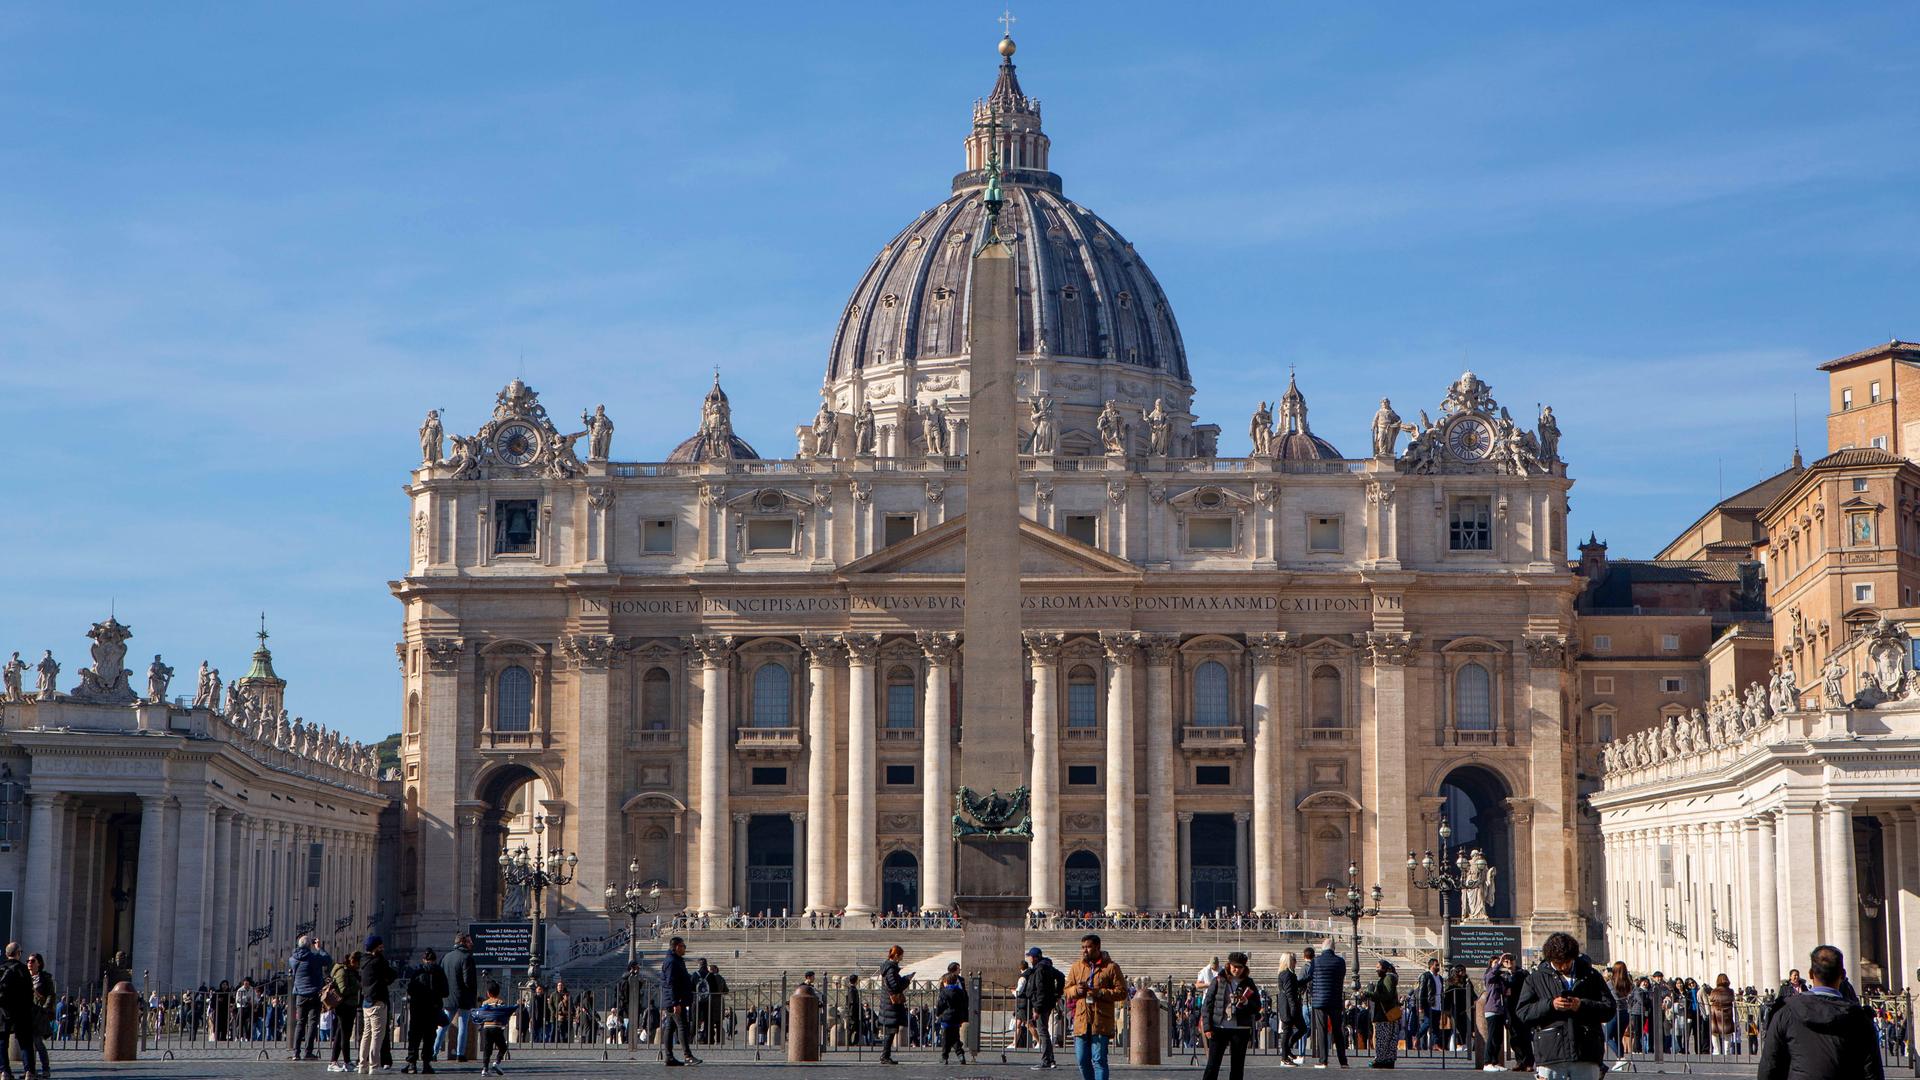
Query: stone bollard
column 1144, row 1027
column 122, row 1039
column 803, row 1026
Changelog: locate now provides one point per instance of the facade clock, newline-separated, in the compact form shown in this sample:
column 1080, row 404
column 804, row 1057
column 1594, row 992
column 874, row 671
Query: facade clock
column 1470, row 438
column 517, row 444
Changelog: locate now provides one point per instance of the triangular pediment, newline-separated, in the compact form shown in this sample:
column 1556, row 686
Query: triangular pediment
column 942, row 552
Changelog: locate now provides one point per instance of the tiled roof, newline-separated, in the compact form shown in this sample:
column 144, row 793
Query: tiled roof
column 1615, row 588
column 1856, row 457
column 1900, row 350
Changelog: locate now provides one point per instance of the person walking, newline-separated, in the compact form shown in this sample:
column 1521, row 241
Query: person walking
column 427, row 993
column 1564, row 1004
column 376, row 976
column 463, row 993
column 856, row 1015
column 1720, row 1012
column 1383, row 1008
column 893, row 1006
column 1427, row 1005
column 343, row 996
column 951, row 1009
column 45, row 997
column 309, row 965
column 1497, row 989
column 1046, row 986
column 1286, row 1001
column 1326, row 980
column 1619, row 1030
column 492, row 1014
column 1460, row 999
column 1817, row 1033
column 678, row 983
column 1228, row 1009
column 1094, row 985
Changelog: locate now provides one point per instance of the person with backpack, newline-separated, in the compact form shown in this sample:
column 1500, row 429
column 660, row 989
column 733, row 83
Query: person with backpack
column 952, row 1009
column 426, row 991
column 1047, row 984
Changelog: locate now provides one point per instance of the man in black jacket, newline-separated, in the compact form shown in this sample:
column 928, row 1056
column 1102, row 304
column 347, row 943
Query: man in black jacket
column 678, row 984
column 1564, row 1006
column 427, row 993
column 16, row 1005
column 463, row 993
column 1817, row 1033
column 1045, row 986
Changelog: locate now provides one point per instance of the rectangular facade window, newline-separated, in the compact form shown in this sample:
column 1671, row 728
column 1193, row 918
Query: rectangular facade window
column 1859, row 483
column 1603, row 726
column 900, row 775
column 1879, row 442
column 899, row 527
column 1084, row 528
column 770, row 534
column 1083, row 705
column 1672, row 684
column 1873, row 392
column 1210, row 533
column 771, row 775
column 1470, row 524
column 1083, row 775
column 514, row 526
column 1670, row 642
column 1323, row 533
column 1603, row 643
column 1213, row 775
column 900, row 706
column 656, row 536
column 1603, row 684
column 1863, row 594
column 1846, row 399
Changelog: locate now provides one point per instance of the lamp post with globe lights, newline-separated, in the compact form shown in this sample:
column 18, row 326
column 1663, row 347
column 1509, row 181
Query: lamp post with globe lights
column 630, row 902
column 1429, row 872
column 1353, row 911
column 536, row 871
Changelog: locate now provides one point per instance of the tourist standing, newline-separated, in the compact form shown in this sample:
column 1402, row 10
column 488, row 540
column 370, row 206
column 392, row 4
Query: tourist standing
column 1720, row 1012
column 1287, row 1001
column 16, row 1005
column 343, row 996
column 426, row 994
column 1426, row 1001
column 1047, row 986
column 1095, row 985
column 1326, row 979
column 309, row 966
column 1383, row 1007
column 1816, row 1033
column 1564, row 1005
column 1460, row 998
column 855, row 1019
column 1620, row 1028
column 951, row 1010
column 44, row 996
column 463, row 986
column 1497, row 990
column 893, row 1008
column 679, row 986
column 1227, row 1013
column 376, row 975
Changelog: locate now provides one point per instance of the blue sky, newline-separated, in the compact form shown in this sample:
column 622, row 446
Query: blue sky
column 244, row 247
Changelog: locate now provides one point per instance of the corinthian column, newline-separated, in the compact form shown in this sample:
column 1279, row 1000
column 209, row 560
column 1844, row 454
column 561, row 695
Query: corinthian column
column 1043, row 869
column 712, row 879
column 1843, row 889
column 863, row 867
column 1265, row 654
column 936, row 782
column 1163, row 850
column 1122, row 652
column 822, row 653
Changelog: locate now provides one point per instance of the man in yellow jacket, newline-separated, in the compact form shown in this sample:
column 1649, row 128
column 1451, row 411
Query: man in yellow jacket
column 1095, row 986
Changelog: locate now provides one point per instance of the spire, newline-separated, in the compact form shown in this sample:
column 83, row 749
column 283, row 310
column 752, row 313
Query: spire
column 1293, row 408
column 262, row 659
column 1006, row 128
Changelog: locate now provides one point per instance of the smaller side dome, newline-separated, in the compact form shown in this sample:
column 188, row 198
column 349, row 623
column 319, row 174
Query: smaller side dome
column 1293, row 440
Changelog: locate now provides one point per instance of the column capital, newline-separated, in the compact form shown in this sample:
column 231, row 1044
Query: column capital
column 1043, row 646
column 443, row 654
column 1122, row 646
column 741, row 819
column 1269, row 648
column 1185, row 817
column 714, row 650
column 941, row 646
column 1161, row 648
column 588, row 652
column 1387, row 648
column 823, row 650
column 1241, row 817
column 797, row 816
column 862, row 649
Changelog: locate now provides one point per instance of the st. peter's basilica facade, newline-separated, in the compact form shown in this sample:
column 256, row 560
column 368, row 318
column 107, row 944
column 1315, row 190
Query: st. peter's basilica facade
column 743, row 673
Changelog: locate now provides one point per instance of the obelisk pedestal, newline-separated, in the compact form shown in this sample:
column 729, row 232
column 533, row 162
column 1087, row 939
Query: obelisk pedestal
column 991, row 882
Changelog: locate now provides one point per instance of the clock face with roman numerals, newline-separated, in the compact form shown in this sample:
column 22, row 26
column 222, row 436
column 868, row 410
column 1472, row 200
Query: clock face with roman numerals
column 1470, row 438
column 517, row 444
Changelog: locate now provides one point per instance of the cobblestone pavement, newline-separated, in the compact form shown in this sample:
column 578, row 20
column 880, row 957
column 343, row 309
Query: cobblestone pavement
column 68, row 1067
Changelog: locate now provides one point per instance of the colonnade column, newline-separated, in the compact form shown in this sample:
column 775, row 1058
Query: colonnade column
column 1163, row 856
column 1122, row 652
column 936, row 780
column 822, row 653
column 1906, row 895
column 47, row 864
column 1842, row 884
column 1766, row 912
column 863, row 868
column 1264, row 651
column 1043, row 869
column 712, row 876
column 152, row 906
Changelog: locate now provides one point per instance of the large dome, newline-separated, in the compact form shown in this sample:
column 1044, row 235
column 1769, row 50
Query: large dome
column 1094, row 327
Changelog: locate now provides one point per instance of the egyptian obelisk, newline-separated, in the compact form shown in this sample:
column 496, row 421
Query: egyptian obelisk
column 991, row 884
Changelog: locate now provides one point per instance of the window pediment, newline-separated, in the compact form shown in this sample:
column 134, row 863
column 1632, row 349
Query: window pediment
column 1210, row 498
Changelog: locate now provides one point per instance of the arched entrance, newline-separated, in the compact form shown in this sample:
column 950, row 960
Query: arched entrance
column 900, row 882
column 513, row 795
column 1215, row 859
column 1475, row 804
column 1083, row 882
column 769, row 864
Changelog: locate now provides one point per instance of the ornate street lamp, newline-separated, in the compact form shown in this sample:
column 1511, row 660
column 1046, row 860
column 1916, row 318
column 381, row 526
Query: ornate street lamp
column 1428, row 872
column 1353, row 911
column 536, row 871
column 629, row 902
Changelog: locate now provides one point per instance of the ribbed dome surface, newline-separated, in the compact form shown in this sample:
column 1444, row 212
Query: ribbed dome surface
column 1083, row 290
column 695, row 449
column 1302, row 446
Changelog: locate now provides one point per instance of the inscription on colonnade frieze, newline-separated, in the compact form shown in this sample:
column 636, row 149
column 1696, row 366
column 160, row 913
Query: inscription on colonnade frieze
column 1047, row 601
